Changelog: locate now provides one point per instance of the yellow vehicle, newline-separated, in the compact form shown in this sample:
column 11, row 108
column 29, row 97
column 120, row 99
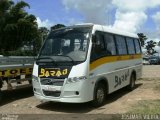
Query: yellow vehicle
column 15, row 72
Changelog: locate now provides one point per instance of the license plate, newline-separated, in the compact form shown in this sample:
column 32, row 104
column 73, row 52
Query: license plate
column 53, row 72
column 48, row 88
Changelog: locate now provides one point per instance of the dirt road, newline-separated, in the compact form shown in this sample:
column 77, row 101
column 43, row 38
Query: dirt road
column 23, row 102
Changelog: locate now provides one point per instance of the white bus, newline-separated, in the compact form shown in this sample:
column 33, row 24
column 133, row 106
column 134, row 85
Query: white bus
column 86, row 62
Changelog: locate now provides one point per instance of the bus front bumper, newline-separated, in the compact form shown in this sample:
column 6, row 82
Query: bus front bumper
column 71, row 99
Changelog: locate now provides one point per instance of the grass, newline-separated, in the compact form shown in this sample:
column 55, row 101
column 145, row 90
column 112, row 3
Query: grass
column 146, row 107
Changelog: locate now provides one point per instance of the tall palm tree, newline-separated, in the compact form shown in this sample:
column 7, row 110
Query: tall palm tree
column 16, row 13
column 4, row 13
column 19, row 28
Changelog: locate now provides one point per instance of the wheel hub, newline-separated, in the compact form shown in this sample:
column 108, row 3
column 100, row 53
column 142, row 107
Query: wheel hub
column 100, row 95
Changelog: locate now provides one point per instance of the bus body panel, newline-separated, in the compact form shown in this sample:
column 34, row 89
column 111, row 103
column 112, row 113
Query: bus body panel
column 68, row 90
column 115, row 69
column 117, row 73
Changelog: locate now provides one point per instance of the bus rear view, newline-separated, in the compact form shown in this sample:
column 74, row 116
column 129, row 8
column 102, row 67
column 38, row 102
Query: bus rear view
column 84, row 63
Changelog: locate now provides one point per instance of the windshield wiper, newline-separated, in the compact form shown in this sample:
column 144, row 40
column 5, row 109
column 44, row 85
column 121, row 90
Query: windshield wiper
column 45, row 59
column 50, row 59
column 67, row 57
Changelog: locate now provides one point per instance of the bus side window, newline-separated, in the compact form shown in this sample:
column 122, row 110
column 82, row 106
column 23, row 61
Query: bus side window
column 121, row 45
column 110, row 44
column 98, row 47
column 137, row 46
column 130, row 45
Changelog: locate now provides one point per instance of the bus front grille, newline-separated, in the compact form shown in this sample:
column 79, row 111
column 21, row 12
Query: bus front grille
column 52, row 93
column 55, row 82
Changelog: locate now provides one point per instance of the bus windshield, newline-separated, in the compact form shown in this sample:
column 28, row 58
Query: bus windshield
column 68, row 44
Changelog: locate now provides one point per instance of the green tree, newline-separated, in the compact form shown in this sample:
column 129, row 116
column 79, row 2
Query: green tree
column 142, row 38
column 4, row 14
column 43, row 32
column 17, row 27
column 150, row 47
column 13, row 21
column 40, row 36
column 57, row 26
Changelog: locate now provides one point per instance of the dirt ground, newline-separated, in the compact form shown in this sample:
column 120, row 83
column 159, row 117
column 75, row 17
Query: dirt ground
column 23, row 102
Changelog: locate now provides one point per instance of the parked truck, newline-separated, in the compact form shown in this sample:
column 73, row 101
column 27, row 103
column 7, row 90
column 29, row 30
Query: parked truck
column 15, row 72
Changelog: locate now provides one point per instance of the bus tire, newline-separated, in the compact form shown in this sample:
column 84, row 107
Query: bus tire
column 131, row 86
column 99, row 95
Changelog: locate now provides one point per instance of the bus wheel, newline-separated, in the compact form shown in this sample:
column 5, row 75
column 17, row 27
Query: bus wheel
column 99, row 95
column 131, row 86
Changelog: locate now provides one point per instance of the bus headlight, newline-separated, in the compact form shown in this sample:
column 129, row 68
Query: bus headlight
column 34, row 78
column 76, row 79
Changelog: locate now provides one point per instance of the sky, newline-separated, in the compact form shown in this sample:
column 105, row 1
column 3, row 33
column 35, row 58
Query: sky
column 128, row 15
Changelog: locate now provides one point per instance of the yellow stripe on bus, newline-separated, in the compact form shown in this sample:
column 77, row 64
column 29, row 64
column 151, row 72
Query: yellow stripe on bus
column 110, row 59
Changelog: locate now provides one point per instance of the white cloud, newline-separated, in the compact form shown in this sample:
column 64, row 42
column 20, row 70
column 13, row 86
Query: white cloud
column 129, row 21
column 130, row 14
column 73, row 21
column 154, row 34
column 156, row 19
column 156, row 40
column 157, row 48
column 92, row 10
column 45, row 23
column 136, row 5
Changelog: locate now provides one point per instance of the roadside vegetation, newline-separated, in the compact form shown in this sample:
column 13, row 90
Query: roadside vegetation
column 149, row 45
column 146, row 107
column 151, row 107
column 19, row 31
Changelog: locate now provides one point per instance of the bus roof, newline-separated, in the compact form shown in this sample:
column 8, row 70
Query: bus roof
column 103, row 28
